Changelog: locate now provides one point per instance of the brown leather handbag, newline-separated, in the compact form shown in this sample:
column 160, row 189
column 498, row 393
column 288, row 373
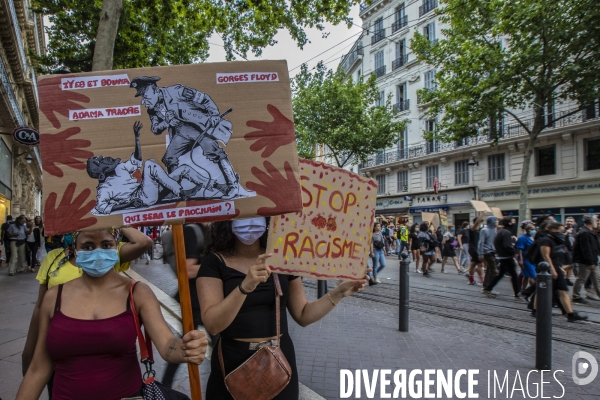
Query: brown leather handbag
column 266, row 373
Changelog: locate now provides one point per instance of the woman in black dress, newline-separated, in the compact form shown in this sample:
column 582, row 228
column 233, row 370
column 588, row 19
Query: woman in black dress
column 237, row 300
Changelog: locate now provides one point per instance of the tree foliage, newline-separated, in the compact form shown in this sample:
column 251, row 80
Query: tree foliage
column 165, row 32
column 502, row 57
column 331, row 109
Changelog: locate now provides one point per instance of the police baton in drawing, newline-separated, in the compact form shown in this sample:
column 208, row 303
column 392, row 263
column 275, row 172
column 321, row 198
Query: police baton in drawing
column 197, row 167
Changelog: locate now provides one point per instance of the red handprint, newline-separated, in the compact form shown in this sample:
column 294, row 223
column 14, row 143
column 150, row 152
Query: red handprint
column 55, row 100
column 57, row 149
column 271, row 135
column 68, row 216
column 283, row 191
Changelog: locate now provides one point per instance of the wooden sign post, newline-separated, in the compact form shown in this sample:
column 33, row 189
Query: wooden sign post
column 185, row 302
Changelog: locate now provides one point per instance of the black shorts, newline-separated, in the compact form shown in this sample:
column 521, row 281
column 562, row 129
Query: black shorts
column 560, row 283
column 474, row 256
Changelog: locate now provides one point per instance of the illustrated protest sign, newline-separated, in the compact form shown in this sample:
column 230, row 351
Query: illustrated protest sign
column 432, row 218
column 331, row 237
column 167, row 145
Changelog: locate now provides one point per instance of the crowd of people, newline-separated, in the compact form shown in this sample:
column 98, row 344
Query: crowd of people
column 493, row 251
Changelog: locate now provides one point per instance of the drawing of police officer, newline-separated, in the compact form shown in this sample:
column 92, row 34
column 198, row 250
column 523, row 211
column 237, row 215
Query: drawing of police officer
column 192, row 119
column 119, row 190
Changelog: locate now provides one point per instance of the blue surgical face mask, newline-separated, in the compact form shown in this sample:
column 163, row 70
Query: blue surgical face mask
column 532, row 232
column 452, row 230
column 97, row 263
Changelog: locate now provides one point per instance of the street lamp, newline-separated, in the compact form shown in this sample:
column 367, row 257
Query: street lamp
column 472, row 163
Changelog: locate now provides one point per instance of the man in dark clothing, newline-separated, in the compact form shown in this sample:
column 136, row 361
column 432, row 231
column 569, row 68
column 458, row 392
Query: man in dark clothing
column 553, row 251
column 586, row 251
column 476, row 262
column 506, row 252
column 486, row 249
column 4, row 236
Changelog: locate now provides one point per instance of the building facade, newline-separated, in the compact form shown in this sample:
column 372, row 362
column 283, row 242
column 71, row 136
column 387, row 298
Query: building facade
column 417, row 175
column 21, row 33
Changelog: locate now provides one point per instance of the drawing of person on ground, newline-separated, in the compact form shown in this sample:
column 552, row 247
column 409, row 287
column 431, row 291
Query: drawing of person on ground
column 192, row 119
column 119, row 190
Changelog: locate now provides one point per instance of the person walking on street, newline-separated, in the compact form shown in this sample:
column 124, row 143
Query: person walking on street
column 449, row 245
column 527, row 267
column 428, row 243
column 486, row 248
column 378, row 252
column 403, row 239
column 476, row 261
column 553, row 251
column 4, row 237
column 586, row 251
column 414, row 244
column 17, row 234
column 463, row 242
column 506, row 251
column 33, row 244
column 439, row 236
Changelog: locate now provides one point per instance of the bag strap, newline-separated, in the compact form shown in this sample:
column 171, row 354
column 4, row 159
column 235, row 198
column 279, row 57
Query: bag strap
column 278, row 293
column 145, row 345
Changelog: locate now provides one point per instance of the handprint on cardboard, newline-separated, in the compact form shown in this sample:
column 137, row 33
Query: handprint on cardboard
column 58, row 149
column 70, row 212
column 277, row 188
column 55, row 100
column 271, row 135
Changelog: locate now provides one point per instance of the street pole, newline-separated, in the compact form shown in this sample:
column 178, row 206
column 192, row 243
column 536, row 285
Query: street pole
column 403, row 292
column 321, row 288
column 543, row 323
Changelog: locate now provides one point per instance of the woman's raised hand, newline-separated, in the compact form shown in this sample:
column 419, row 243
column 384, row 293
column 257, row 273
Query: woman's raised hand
column 194, row 347
column 258, row 273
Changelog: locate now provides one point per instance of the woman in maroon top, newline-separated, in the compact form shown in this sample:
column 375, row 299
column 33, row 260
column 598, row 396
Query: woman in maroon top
column 87, row 333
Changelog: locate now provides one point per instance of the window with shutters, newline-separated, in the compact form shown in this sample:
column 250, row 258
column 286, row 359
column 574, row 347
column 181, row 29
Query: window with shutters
column 546, row 161
column 592, row 154
column 380, row 184
column 381, row 99
column 496, row 168
column 461, row 172
column 429, row 31
column 430, row 79
column 431, row 173
column 402, row 181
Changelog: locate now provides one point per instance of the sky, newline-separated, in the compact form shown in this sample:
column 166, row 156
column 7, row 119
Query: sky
column 286, row 47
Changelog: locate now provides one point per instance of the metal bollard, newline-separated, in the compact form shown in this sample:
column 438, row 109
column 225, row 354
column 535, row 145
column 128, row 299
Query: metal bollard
column 403, row 294
column 321, row 288
column 543, row 323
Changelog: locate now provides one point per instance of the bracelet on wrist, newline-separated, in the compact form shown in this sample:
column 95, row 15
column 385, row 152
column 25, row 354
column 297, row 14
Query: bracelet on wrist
column 242, row 289
column 330, row 299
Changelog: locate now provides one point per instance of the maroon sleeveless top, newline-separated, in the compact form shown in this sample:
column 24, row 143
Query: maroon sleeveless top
column 94, row 359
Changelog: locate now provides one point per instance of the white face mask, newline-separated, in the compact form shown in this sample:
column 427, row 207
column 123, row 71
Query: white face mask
column 248, row 231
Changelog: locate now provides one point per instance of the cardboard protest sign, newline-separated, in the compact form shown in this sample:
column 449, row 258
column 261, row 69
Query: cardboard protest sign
column 175, row 144
column 480, row 206
column 432, row 218
column 443, row 218
column 331, row 237
column 496, row 212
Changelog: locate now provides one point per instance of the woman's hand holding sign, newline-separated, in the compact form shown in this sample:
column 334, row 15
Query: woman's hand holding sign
column 258, row 273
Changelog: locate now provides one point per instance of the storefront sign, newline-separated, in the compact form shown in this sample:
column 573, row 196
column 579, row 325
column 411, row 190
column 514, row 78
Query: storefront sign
column 387, row 203
column 416, row 210
column 438, row 198
column 26, row 135
column 542, row 191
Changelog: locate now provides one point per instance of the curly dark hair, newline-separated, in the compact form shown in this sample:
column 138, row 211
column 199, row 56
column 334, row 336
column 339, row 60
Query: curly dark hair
column 413, row 227
column 222, row 239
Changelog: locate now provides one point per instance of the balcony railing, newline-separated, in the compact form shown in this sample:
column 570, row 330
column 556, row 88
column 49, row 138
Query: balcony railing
column 505, row 131
column 401, row 22
column 402, row 105
column 351, row 57
column 13, row 14
column 378, row 36
column 10, row 93
column 427, row 6
column 379, row 72
column 400, row 61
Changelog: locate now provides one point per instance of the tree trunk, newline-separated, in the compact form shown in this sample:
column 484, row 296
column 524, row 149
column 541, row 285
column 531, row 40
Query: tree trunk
column 106, row 35
column 527, row 155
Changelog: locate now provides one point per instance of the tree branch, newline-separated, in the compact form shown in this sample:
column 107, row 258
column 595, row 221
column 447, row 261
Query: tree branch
column 519, row 121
